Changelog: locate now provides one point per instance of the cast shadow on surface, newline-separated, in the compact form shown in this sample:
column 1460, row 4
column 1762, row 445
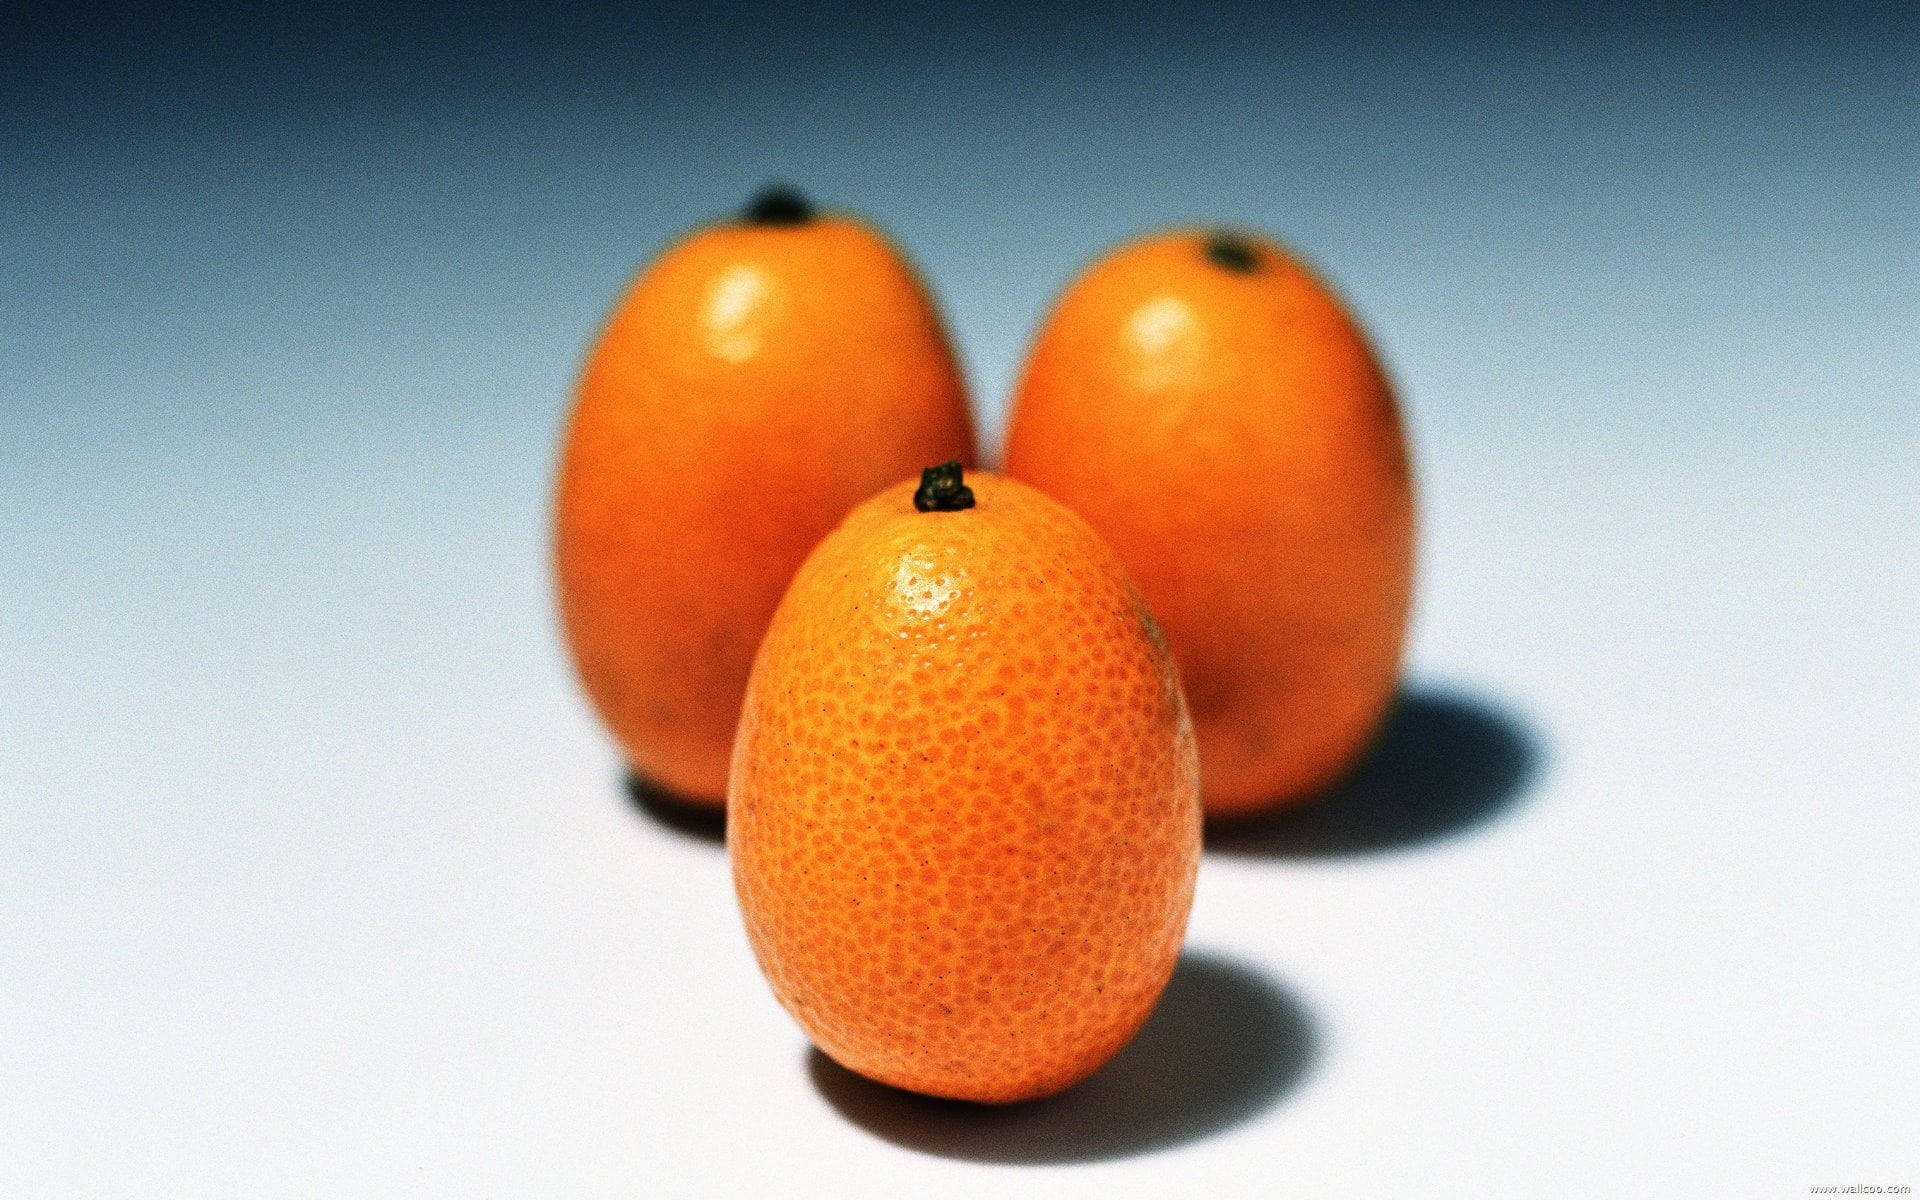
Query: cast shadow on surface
column 704, row 822
column 1224, row 1045
column 1446, row 762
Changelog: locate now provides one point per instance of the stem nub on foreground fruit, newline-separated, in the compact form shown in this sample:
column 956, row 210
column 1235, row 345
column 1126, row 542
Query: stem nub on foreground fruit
column 778, row 204
column 942, row 489
column 1233, row 252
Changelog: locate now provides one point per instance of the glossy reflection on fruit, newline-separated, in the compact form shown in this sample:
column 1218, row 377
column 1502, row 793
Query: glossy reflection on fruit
column 1211, row 408
column 964, row 814
column 758, row 380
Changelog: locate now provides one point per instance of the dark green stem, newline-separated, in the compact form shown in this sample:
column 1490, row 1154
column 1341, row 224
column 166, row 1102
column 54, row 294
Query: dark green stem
column 1233, row 252
column 778, row 204
column 942, row 489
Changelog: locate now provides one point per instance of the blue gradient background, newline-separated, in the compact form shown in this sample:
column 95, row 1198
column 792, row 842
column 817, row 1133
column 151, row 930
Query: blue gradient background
column 310, row 872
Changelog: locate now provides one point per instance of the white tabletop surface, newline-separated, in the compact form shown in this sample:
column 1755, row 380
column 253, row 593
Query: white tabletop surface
column 317, row 877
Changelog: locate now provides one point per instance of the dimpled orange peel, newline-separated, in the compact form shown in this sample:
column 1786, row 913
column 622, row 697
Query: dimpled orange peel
column 757, row 381
column 964, row 814
column 1211, row 408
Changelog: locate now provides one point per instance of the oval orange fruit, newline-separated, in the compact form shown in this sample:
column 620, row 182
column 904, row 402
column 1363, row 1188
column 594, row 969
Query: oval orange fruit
column 761, row 378
column 1210, row 407
column 964, row 811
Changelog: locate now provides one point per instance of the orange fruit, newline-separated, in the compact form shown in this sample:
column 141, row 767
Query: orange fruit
column 964, row 814
column 761, row 378
column 1210, row 407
